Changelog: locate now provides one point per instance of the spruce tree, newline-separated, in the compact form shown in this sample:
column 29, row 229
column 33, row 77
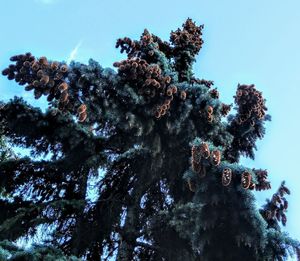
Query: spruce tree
column 161, row 143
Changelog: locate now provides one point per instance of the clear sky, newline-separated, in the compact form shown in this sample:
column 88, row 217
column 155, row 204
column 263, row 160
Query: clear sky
column 245, row 42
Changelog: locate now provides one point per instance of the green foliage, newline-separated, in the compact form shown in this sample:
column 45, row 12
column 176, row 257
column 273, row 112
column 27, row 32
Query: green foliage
column 172, row 187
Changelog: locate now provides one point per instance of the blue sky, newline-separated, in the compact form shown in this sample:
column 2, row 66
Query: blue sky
column 245, row 42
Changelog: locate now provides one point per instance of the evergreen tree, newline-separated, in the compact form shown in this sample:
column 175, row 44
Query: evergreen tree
column 171, row 185
column 11, row 251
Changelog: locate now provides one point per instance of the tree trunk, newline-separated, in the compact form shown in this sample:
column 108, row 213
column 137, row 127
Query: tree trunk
column 148, row 174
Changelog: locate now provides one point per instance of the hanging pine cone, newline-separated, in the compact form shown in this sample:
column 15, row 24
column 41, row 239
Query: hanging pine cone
column 226, row 176
column 209, row 110
column 197, row 153
column 182, row 95
column 81, row 108
column 278, row 216
column 283, row 219
column 246, row 180
column 204, row 150
column 63, row 86
column 216, row 157
column 82, row 117
column 210, row 118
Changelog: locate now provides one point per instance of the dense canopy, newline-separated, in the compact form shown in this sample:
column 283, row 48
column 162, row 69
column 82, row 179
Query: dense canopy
column 156, row 148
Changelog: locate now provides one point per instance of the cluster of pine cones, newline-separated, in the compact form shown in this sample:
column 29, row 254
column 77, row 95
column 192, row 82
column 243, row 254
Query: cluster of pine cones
column 150, row 83
column 277, row 206
column 251, row 104
column 44, row 77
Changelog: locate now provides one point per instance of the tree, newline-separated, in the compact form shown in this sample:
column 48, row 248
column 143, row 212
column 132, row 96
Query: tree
column 170, row 187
